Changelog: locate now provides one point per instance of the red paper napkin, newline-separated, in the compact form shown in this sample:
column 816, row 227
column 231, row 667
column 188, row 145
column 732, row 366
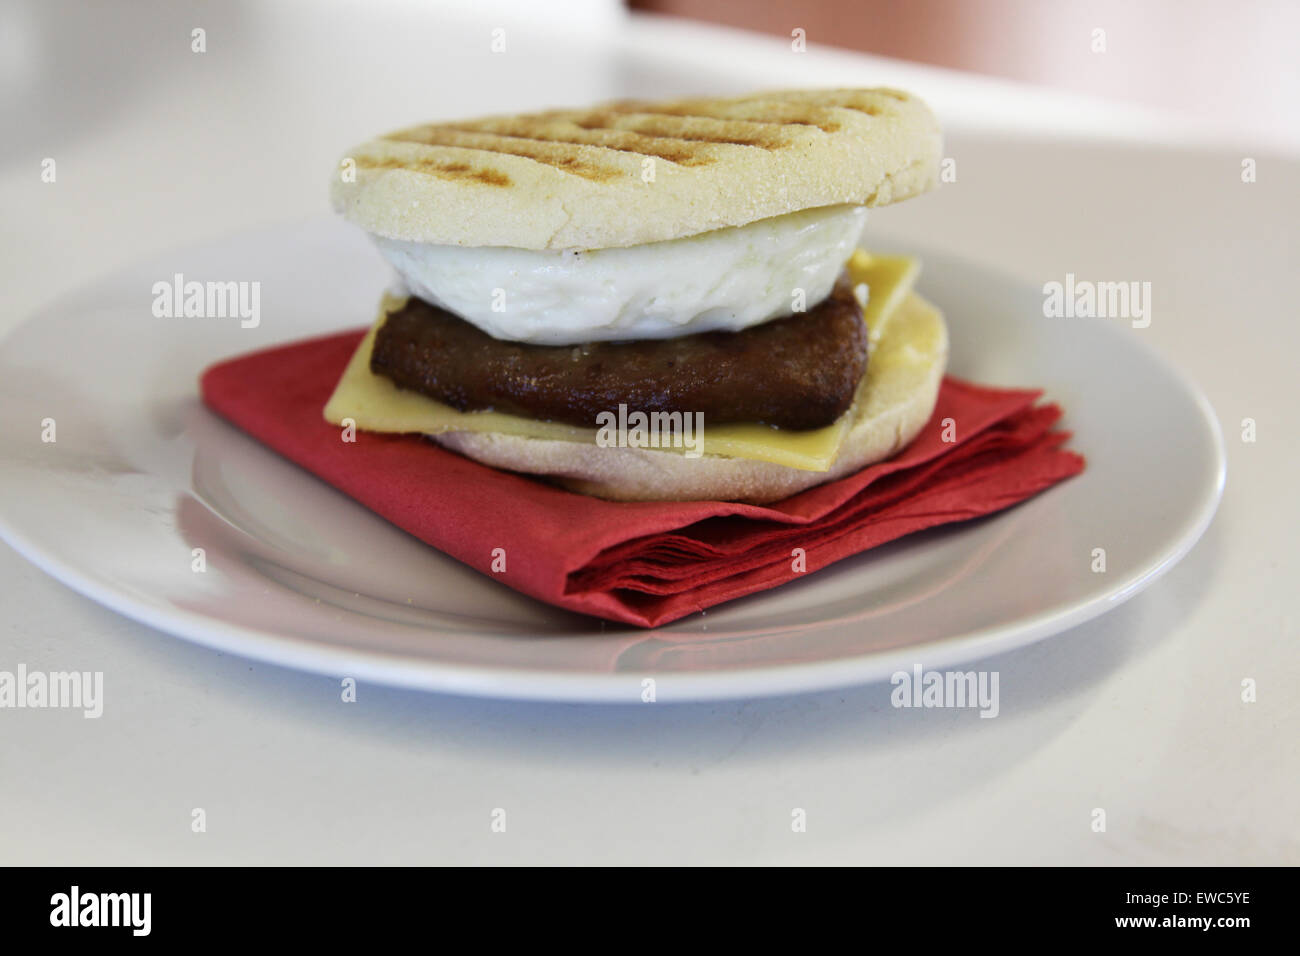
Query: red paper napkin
column 645, row 563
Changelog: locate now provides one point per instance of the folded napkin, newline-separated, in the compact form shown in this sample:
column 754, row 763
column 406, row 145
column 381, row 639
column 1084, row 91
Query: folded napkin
column 644, row 563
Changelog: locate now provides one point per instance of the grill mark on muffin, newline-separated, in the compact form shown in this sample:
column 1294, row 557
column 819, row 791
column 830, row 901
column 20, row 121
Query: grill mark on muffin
column 816, row 113
column 556, row 155
column 659, row 124
column 792, row 117
column 684, row 154
column 803, row 112
column 440, row 168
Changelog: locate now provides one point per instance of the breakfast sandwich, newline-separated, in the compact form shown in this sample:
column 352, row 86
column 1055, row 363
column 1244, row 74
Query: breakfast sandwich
column 650, row 300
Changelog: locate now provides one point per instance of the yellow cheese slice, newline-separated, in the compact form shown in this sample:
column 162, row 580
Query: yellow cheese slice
column 375, row 404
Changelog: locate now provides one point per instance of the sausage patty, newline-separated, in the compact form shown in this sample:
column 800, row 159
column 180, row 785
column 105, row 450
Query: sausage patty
column 799, row 372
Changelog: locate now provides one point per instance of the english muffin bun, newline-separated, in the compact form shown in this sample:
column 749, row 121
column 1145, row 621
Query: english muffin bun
column 904, row 373
column 634, row 172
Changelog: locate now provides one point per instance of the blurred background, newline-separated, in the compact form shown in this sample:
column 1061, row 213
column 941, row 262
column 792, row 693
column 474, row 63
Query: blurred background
column 1235, row 65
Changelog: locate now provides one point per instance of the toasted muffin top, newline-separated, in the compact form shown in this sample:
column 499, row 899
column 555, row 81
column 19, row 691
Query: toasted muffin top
column 635, row 171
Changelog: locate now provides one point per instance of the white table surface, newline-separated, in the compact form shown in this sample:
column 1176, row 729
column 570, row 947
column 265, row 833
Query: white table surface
column 1138, row 712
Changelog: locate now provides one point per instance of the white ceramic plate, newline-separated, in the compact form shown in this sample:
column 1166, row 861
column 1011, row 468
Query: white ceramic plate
column 296, row 573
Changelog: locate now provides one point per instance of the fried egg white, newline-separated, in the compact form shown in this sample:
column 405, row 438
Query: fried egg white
column 728, row 279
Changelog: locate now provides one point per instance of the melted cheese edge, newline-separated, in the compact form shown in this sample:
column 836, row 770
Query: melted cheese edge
column 373, row 403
